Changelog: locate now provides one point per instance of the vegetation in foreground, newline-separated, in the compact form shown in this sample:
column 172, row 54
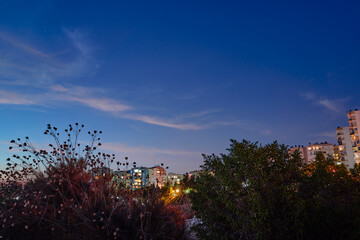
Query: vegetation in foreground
column 63, row 193
column 253, row 192
column 261, row 192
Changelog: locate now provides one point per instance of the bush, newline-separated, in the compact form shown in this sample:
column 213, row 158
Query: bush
column 68, row 193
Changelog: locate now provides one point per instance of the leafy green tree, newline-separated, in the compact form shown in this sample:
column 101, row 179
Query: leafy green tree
column 248, row 193
column 331, row 201
column 188, row 182
column 262, row 192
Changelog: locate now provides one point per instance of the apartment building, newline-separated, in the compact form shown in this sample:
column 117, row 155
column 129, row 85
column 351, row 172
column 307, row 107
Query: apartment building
column 174, row 178
column 157, row 176
column 354, row 122
column 122, row 178
column 139, row 177
column 313, row 149
column 347, row 151
column 308, row 153
column 344, row 151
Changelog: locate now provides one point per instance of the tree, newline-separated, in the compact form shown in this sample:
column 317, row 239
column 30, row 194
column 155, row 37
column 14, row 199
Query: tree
column 187, row 182
column 331, row 200
column 248, row 193
column 262, row 192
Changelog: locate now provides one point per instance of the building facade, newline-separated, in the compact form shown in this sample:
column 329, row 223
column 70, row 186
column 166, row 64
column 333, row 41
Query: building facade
column 354, row 122
column 102, row 172
column 313, row 149
column 157, row 176
column 174, row 179
column 122, row 178
column 308, row 153
column 139, row 178
column 344, row 151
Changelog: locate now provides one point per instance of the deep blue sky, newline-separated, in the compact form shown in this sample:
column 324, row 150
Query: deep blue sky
column 169, row 80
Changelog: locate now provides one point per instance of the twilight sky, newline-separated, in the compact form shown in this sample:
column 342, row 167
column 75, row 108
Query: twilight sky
column 168, row 80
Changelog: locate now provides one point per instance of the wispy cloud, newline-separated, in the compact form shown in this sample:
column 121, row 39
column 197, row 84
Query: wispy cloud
column 198, row 114
column 22, row 63
column 25, row 65
column 332, row 105
column 58, row 94
column 78, row 38
column 7, row 97
column 102, row 104
column 92, row 98
column 23, row 46
column 163, row 123
column 88, row 97
column 32, row 76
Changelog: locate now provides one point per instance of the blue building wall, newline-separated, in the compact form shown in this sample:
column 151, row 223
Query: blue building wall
column 139, row 178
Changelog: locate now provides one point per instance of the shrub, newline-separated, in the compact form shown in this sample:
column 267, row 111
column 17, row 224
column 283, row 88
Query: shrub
column 67, row 193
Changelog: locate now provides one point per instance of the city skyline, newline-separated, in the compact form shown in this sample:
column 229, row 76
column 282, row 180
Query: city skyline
column 166, row 82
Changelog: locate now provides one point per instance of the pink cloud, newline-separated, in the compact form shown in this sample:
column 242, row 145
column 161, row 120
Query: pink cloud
column 163, row 123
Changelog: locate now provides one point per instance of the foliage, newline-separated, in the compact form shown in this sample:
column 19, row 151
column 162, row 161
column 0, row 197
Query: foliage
column 68, row 193
column 188, row 182
column 331, row 196
column 261, row 192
